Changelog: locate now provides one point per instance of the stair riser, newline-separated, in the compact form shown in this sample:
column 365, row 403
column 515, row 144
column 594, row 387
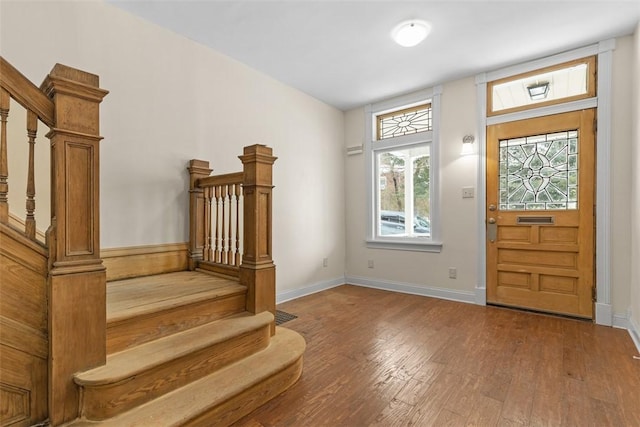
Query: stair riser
column 249, row 400
column 101, row 402
column 131, row 332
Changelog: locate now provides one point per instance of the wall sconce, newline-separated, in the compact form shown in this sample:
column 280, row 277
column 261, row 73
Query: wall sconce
column 467, row 145
column 538, row 91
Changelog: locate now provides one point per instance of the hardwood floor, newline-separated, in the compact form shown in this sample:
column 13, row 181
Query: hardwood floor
column 377, row 358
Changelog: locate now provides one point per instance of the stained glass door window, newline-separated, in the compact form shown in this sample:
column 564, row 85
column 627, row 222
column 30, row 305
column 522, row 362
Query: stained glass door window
column 539, row 172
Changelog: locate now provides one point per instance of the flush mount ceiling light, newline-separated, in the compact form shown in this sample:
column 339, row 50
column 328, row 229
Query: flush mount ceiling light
column 410, row 33
column 538, row 91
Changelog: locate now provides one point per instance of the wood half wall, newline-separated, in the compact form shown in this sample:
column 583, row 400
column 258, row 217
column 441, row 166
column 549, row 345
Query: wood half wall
column 135, row 261
column 24, row 346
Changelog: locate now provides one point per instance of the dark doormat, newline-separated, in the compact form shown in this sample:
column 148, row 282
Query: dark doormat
column 282, row 317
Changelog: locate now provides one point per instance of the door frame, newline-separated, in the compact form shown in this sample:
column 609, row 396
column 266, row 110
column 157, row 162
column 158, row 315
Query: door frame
column 602, row 101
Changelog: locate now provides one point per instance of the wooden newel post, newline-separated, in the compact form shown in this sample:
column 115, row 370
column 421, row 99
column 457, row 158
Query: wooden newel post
column 77, row 280
column 257, row 271
column 197, row 233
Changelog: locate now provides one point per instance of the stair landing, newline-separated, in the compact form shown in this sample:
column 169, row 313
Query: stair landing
column 147, row 308
column 132, row 297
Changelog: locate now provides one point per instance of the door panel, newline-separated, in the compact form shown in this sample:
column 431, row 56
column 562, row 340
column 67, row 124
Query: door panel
column 540, row 213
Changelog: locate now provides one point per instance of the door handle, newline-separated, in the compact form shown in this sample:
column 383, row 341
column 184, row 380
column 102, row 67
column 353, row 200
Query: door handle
column 492, row 230
column 492, row 208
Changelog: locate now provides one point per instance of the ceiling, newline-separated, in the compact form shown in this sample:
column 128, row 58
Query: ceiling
column 341, row 51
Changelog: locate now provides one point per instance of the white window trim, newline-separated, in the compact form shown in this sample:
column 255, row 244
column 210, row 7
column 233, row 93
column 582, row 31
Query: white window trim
column 418, row 244
column 604, row 50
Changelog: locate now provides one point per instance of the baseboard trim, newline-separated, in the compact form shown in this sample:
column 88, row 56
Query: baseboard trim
column 620, row 321
column 409, row 288
column 481, row 296
column 626, row 321
column 634, row 331
column 134, row 261
column 309, row 290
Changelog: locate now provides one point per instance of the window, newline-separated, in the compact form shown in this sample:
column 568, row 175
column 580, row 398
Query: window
column 404, row 122
column 556, row 84
column 403, row 193
column 401, row 150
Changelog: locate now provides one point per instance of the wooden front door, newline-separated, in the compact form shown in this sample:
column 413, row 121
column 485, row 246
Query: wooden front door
column 540, row 213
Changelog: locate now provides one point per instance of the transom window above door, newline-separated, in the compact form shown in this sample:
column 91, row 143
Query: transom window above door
column 561, row 83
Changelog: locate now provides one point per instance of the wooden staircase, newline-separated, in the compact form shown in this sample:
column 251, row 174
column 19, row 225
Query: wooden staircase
column 186, row 348
column 183, row 351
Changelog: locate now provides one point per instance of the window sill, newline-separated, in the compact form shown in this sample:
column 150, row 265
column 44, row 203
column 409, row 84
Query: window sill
column 405, row 245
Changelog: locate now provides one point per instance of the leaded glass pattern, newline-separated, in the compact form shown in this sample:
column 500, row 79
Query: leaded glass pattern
column 405, row 122
column 539, row 172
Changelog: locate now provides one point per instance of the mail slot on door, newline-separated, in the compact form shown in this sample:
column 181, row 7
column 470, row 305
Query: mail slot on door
column 536, row 220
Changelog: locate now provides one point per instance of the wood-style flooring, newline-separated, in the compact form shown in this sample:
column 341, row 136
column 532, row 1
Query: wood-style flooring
column 377, row 358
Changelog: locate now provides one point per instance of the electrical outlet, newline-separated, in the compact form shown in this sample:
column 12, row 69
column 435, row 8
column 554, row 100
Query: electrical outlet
column 453, row 273
column 325, row 262
column 370, row 263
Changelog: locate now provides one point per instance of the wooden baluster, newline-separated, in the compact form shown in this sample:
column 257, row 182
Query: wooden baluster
column 4, row 169
column 30, row 221
column 206, row 250
column 210, row 230
column 223, row 234
column 217, row 235
column 230, row 255
column 237, row 189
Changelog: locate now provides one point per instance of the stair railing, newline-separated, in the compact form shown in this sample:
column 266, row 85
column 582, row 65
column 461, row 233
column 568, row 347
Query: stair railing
column 220, row 232
column 230, row 229
column 68, row 103
column 14, row 86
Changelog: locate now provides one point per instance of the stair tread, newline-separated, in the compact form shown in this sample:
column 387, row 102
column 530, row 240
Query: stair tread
column 175, row 408
column 133, row 297
column 127, row 363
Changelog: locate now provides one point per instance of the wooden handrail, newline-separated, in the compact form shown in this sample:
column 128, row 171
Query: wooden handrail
column 15, row 86
column 226, row 179
column 26, row 93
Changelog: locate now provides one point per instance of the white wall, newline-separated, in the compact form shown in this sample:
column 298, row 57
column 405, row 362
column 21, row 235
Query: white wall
column 421, row 272
column 621, row 147
column 172, row 100
column 459, row 234
column 635, row 185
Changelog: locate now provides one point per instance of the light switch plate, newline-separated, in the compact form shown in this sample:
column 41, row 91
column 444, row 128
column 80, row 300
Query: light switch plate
column 468, row 192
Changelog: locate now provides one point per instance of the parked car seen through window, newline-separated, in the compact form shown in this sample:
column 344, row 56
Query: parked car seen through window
column 392, row 223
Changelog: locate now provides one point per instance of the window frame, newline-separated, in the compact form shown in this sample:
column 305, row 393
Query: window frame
column 373, row 146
